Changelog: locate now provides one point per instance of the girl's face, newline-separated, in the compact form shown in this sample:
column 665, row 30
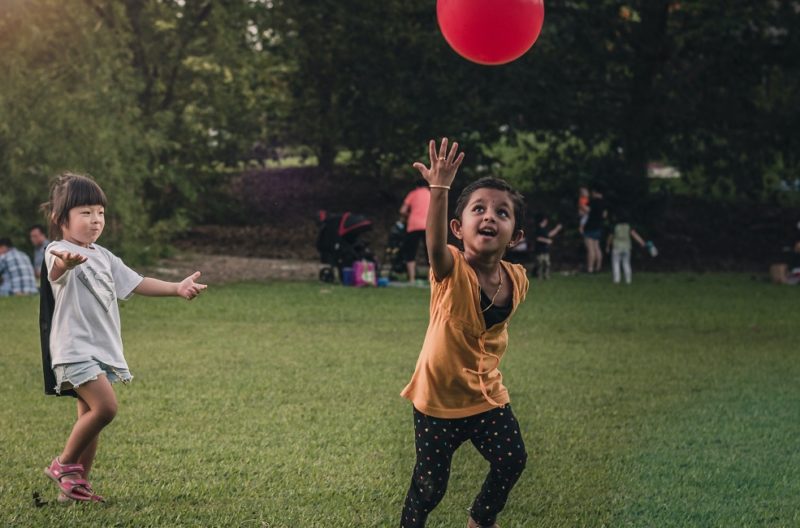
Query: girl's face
column 487, row 224
column 85, row 224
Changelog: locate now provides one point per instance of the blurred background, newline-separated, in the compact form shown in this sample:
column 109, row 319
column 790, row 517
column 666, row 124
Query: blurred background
column 224, row 126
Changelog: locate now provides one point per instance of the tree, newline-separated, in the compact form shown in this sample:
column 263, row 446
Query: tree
column 68, row 102
column 203, row 92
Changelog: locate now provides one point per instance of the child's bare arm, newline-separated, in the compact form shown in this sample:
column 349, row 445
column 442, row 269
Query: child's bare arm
column 553, row 232
column 187, row 288
column 439, row 176
column 637, row 238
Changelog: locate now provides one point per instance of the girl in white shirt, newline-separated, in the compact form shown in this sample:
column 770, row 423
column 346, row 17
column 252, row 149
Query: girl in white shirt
column 85, row 344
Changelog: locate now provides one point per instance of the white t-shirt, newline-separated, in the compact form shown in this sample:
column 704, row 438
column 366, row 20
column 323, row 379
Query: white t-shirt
column 86, row 322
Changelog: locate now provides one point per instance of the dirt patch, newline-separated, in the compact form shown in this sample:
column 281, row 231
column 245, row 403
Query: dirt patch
column 272, row 214
column 218, row 269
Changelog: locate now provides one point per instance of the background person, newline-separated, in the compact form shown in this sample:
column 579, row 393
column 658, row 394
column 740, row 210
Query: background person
column 793, row 274
column 541, row 249
column 39, row 241
column 583, row 208
column 593, row 231
column 415, row 211
column 16, row 271
column 619, row 242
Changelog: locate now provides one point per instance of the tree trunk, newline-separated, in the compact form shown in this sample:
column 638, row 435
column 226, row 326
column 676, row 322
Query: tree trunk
column 326, row 155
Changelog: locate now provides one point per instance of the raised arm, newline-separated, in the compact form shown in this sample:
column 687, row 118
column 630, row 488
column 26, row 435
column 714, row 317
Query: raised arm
column 187, row 288
column 637, row 238
column 439, row 176
column 553, row 232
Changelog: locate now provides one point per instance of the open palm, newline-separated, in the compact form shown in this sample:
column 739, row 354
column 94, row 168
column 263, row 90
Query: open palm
column 444, row 165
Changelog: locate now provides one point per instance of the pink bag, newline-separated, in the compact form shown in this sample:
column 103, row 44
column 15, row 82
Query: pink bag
column 364, row 272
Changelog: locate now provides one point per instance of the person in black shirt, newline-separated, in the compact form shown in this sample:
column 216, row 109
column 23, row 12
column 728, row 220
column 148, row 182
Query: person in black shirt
column 593, row 231
column 541, row 249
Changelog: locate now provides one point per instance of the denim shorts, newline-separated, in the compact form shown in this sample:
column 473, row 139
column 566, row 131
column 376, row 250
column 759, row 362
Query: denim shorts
column 72, row 375
column 594, row 234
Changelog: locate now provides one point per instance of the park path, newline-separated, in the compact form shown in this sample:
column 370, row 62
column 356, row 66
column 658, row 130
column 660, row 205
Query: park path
column 220, row 269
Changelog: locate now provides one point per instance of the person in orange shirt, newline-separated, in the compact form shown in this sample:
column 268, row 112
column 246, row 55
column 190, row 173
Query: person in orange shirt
column 583, row 207
column 457, row 390
column 415, row 212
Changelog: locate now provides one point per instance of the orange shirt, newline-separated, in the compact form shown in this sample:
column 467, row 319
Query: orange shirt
column 456, row 373
column 417, row 201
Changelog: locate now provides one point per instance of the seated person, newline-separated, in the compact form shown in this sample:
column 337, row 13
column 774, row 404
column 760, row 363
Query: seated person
column 16, row 271
column 793, row 275
column 39, row 241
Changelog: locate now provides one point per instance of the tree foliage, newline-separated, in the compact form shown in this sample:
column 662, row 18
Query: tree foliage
column 162, row 99
column 67, row 101
column 154, row 99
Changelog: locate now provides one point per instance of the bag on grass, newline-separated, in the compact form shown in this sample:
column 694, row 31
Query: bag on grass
column 364, row 272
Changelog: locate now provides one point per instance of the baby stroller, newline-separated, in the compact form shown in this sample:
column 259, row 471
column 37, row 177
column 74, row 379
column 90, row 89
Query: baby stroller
column 393, row 256
column 339, row 243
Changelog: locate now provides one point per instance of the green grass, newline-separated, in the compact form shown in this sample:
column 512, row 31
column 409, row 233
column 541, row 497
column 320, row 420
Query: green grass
column 674, row 402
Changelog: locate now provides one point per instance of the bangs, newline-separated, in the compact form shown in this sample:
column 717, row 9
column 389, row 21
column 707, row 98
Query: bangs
column 83, row 191
column 71, row 190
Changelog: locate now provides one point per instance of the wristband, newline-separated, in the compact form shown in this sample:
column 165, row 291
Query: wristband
column 439, row 187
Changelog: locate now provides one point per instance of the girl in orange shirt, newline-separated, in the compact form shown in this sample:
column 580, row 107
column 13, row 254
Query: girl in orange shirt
column 456, row 389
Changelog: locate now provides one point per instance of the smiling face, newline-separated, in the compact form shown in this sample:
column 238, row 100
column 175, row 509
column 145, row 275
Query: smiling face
column 85, row 224
column 487, row 223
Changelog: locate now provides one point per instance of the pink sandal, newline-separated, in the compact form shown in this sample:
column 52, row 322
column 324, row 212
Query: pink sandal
column 77, row 489
column 62, row 498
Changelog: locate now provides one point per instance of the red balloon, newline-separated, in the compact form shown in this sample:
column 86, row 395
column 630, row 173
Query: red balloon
column 490, row 31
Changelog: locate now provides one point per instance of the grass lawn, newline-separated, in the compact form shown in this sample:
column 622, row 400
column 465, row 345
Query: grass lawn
column 673, row 402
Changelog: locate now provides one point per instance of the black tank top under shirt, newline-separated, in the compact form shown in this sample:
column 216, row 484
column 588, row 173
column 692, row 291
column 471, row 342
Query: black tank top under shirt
column 495, row 314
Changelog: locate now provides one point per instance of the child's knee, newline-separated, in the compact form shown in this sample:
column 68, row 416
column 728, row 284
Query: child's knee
column 427, row 492
column 106, row 412
column 512, row 467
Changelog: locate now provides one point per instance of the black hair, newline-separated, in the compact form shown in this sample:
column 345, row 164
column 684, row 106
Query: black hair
column 40, row 227
column 490, row 182
column 420, row 182
column 70, row 190
column 6, row 242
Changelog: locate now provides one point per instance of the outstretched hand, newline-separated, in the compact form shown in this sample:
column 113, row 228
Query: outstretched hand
column 443, row 166
column 188, row 288
column 69, row 260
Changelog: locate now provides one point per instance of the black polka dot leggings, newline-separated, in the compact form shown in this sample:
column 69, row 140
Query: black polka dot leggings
column 497, row 437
